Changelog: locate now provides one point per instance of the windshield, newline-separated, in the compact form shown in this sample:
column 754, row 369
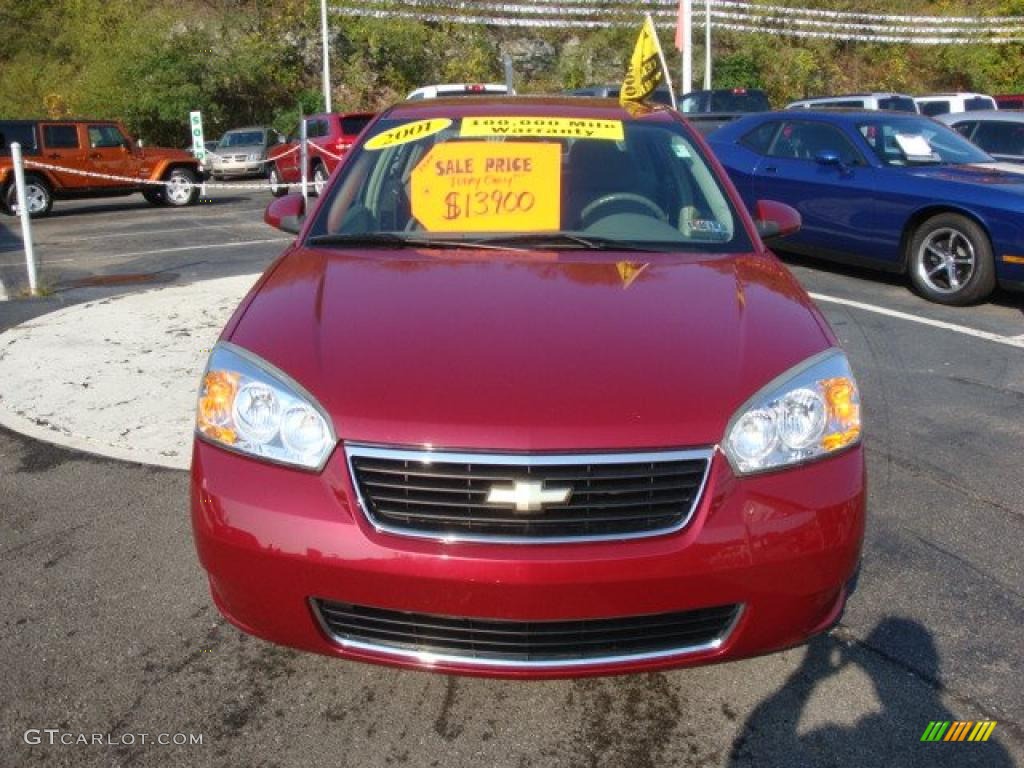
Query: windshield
column 898, row 104
column 918, row 141
column 547, row 181
column 242, row 139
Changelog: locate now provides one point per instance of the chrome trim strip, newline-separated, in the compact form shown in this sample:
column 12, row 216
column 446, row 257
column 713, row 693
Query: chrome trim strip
column 525, row 460
column 427, row 658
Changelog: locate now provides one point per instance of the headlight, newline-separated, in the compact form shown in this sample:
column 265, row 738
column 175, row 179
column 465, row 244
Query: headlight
column 247, row 405
column 254, row 156
column 807, row 413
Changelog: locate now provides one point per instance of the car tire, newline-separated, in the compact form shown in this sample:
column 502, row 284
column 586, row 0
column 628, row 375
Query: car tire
column 38, row 194
column 180, row 187
column 320, row 177
column 277, row 187
column 154, row 195
column 949, row 259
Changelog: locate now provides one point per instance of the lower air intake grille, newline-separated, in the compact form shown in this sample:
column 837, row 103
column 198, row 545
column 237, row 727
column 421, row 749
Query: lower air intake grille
column 514, row 642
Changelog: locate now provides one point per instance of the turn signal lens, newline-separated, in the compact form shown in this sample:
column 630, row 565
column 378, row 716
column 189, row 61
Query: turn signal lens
column 251, row 407
column 805, row 414
column 213, row 418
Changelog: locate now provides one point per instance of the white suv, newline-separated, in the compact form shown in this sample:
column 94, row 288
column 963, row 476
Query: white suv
column 460, row 89
column 941, row 103
column 895, row 102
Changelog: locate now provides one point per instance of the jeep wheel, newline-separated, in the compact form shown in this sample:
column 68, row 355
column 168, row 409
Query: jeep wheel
column 154, row 195
column 277, row 188
column 37, row 196
column 181, row 187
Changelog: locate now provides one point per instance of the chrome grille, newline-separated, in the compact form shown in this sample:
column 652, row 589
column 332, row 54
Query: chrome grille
column 521, row 643
column 445, row 495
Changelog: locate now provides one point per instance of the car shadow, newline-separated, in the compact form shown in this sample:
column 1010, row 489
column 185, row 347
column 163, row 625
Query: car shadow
column 60, row 210
column 1000, row 298
column 10, row 235
column 907, row 702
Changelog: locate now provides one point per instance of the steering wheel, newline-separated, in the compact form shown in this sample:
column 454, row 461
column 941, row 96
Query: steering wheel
column 618, row 197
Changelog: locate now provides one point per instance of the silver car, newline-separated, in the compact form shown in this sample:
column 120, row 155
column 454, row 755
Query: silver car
column 241, row 152
column 998, row 132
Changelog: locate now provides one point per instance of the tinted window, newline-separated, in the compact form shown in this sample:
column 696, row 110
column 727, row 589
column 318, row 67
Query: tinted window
column 932, row 108
column 1001, row 138
column 735, row 101
column 22, row 133
column 977, row 103
column 898, row 104
column 242, row 138
column 1010, row 103
column 105, row 136
column 845, row 104
column 804, row 140
column 60, row 136
column 760, row 138
column 965, row 128
column 353, row 125
column 695, row 103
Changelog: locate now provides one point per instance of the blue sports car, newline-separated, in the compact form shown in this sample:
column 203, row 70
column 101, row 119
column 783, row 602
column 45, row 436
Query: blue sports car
column 897, row 192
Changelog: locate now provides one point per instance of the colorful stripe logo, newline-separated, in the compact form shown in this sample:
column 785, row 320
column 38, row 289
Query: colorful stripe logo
column 958, row 730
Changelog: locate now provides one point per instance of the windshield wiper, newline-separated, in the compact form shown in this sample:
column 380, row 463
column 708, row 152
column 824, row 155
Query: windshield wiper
column 565, row 240
column 397, row 240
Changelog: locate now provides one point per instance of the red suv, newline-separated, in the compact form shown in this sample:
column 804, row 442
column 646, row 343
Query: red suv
column 330, row 135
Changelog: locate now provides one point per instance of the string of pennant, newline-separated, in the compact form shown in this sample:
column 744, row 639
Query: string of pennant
column 733, row 15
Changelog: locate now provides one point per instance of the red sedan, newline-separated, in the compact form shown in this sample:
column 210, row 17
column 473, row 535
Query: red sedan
column 529, row 397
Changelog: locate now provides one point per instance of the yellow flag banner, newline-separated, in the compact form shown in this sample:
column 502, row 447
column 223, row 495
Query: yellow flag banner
column 645, row 71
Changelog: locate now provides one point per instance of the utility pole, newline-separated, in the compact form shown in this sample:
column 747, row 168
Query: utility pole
column 327, row 61
column 707, row 45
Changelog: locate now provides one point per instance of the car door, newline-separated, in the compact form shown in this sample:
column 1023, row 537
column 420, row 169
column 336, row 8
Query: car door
column 64, row 146
column 836, row 200
column 288, row 161
column 109, row 152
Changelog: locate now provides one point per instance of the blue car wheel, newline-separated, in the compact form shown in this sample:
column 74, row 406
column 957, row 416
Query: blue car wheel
column 950, row 260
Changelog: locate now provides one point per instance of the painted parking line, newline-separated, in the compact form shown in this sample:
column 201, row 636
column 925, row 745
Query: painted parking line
column 41, row 262
column 148, row 232
column 201, row 246
column 1010, row 341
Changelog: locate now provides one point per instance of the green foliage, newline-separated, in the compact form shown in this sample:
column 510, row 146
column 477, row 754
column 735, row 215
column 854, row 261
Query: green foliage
column 242, row 62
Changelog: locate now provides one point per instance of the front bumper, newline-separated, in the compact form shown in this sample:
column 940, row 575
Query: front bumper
column 782, row 545
column 231, row 168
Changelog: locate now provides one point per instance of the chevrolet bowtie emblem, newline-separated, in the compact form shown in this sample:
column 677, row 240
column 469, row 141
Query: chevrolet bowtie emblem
column 527, row 496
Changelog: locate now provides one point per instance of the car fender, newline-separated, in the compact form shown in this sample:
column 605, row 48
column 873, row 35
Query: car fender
column 929, row 209
column 166, row 165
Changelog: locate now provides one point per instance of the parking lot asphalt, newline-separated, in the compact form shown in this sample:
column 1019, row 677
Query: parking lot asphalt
column 108, row 628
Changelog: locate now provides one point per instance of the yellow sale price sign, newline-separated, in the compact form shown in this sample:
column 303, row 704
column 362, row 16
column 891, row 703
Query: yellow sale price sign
column 483, row 186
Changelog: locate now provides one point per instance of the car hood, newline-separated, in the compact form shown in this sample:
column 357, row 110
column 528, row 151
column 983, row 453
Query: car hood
column 530, row 351
column 987, row 174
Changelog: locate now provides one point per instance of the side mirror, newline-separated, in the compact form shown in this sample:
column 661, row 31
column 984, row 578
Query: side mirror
column 775, row 220
column 286, row 213
column 828, row 157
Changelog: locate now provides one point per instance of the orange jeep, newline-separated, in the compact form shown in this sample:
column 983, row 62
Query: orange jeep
column 95, row 146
